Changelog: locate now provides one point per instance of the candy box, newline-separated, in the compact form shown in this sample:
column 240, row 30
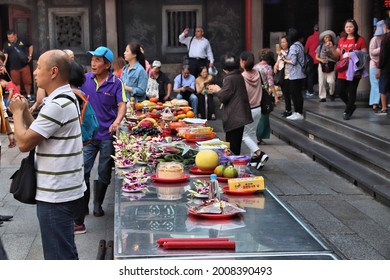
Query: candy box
column 248, row 183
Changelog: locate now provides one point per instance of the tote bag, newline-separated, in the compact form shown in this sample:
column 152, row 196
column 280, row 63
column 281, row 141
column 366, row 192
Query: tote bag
column 24, row 181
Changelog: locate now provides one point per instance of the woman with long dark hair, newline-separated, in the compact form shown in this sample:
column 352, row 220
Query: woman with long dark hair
column 134, row 76
column 346, row 89
column 254, row 89
column 280, row 65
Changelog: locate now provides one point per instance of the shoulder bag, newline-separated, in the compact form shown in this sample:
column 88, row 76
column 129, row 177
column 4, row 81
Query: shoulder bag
column 22, row 56
column 267, row 103
column 342, row 64
column 186, row 58
column 24, row 181
column 279, row 77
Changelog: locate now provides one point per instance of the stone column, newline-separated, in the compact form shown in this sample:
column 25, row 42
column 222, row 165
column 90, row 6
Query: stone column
column 363, row 14
column 325, row 14
column 111, row 28
column 257, row 25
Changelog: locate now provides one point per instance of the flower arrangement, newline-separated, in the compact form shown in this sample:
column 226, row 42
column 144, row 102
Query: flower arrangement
column 130, row 150
column 150, row 150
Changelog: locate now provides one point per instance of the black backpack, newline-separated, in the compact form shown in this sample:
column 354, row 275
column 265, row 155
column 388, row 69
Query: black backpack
column 308, row 62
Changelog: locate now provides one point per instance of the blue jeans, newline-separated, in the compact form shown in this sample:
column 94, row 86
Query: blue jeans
column 106, row 162
column 312, row 79
column 57, row 229
column 193, row 102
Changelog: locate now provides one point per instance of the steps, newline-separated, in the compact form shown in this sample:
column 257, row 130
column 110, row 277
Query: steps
column 356, row 154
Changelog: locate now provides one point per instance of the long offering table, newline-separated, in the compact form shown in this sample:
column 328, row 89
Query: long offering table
column 267, row 230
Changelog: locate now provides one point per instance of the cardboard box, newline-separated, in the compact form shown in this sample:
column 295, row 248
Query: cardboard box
column 247, row 183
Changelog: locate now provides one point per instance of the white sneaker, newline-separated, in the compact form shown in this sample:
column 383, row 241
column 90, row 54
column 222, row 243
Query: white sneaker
column 292, row 117
column 298, row 117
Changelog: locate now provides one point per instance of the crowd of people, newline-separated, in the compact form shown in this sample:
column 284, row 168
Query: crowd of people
column 54, row 132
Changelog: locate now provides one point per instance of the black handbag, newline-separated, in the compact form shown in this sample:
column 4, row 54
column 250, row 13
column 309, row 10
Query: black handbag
column 267, row 103
column 24, row 181
column 328, row 67
column 279, row 77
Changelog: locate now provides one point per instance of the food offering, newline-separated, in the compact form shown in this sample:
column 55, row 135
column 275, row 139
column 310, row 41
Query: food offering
column 170, row 170
column 147, row 126
column 176, row 152
column 206, row 160
column 254, row 183
column 215, row 208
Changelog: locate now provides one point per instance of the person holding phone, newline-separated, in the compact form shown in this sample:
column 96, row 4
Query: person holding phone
column 184, row 86
column 206, row 101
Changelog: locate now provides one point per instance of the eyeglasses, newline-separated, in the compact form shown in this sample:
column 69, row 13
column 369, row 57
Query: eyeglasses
column 1, row 65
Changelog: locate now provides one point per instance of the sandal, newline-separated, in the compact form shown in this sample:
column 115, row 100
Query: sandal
column 261, row 142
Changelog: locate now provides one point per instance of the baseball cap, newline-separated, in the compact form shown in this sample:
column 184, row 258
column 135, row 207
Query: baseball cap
column 156, row 63
column 105, row 52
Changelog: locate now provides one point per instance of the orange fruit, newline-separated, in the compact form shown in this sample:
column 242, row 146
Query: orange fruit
column 153, row 99
column 138, row 106
column 190, row 114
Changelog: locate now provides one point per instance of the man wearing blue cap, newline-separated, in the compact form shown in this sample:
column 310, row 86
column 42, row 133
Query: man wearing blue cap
column 107, row 96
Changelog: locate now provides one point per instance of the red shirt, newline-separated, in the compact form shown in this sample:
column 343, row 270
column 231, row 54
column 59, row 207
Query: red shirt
column 347, row 45
column 11, row 85
column 311, row 45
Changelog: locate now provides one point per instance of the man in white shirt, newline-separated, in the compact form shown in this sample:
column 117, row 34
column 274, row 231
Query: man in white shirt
column 56, row 137
column 199, row 50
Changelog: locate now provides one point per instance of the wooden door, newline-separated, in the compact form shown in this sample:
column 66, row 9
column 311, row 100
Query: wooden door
column 19, row 19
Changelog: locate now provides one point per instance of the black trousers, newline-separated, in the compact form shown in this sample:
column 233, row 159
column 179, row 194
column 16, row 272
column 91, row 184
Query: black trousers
column 286, row 94
column 195, row 65
column 346, row 90
column 234, row 137
column 295, row 87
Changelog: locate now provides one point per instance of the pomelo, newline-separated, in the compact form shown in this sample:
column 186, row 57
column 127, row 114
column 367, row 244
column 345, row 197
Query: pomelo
column 206, row 160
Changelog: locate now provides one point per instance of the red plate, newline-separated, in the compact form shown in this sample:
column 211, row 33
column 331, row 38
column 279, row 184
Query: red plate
column 227, row 191
column 197, row 171
column 166, row 180
column 223, row 179
column 211, row 216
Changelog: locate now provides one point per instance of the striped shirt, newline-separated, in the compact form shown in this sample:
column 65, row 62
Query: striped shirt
column 59, row 158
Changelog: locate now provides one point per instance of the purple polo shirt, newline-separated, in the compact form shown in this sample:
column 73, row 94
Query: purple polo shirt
column 104, row 100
